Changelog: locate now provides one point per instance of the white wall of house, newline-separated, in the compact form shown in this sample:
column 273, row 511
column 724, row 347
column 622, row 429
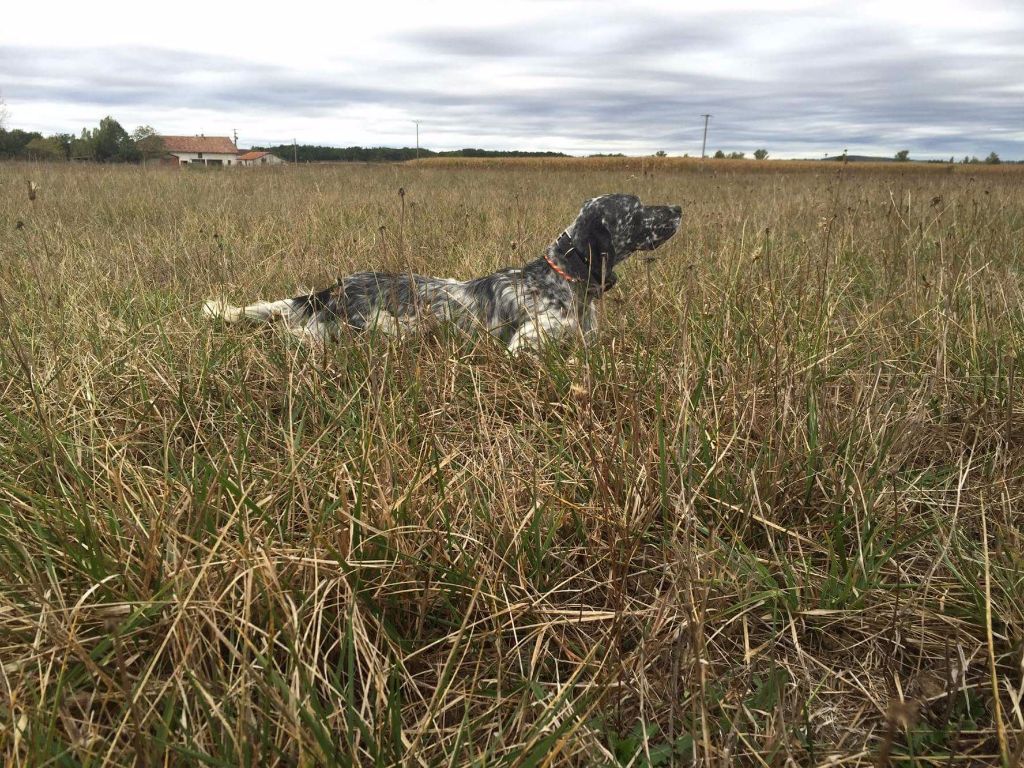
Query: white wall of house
column 265, row 160
column 203, row 158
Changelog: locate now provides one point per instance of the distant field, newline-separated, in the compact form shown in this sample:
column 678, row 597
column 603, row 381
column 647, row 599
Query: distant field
column 771, row 517
column 716, row 167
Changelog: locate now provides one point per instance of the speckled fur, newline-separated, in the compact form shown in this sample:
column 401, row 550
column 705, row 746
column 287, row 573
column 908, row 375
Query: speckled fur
column 522, row 306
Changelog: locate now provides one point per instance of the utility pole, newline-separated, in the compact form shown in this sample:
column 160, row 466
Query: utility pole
column 235, row 131
column 295, row 151
column 417, row 138
column 704, row 145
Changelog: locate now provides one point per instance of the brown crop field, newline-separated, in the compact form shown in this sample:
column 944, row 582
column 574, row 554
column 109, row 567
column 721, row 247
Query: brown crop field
column 770, row 515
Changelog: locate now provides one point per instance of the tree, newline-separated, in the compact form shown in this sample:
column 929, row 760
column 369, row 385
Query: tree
column 148, row 143
column 112, row 144
column 661, row 153
column 737, row 155
column 13, row 143
column 719, row 155
column 903, row 155
column 143, row 132
column 84, row 146
column 992, row 159
column 760, row 154
column 65, row 140
column 45, row 149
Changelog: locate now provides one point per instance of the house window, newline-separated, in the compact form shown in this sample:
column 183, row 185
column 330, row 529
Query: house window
column 200, row 155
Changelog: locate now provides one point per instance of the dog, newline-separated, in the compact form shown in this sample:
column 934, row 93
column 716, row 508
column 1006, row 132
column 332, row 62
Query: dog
column 545, row 299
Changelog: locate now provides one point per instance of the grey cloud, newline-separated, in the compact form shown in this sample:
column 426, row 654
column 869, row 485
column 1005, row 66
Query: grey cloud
column 844, row 86
column 572, row 44
column 474, row 44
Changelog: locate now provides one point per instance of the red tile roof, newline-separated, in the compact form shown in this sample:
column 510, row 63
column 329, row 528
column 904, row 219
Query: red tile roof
column 252, row 155
column 218, row 144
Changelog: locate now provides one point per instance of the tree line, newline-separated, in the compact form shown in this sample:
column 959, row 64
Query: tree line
column 108, row 142
column 993, row 158
column 311, row 153
column 759, row 154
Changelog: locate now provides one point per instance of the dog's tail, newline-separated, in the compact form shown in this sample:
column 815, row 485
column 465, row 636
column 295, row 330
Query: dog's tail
column 264, row 311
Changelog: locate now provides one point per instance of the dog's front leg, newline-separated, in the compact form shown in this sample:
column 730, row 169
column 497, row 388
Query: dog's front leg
column 544, row 327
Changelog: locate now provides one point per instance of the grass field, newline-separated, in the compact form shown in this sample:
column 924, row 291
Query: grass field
column 770, row 517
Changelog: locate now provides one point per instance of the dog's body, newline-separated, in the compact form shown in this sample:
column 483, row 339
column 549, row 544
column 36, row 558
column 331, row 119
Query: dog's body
column 550, row 297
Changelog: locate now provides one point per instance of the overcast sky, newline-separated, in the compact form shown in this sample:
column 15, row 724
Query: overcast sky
column 799, row 77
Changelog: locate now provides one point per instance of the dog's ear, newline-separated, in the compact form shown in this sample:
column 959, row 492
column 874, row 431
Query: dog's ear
column 593, row 243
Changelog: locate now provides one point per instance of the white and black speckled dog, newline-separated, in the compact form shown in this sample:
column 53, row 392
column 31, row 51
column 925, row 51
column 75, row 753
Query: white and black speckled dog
column 547, row 298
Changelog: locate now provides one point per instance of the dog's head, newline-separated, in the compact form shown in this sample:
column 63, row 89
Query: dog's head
column 611, row 227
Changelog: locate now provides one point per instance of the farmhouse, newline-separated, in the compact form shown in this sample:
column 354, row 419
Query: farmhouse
column 199, row 150
column 257, row 157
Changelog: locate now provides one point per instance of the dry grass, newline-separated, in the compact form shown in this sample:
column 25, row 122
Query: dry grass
column 771, row 518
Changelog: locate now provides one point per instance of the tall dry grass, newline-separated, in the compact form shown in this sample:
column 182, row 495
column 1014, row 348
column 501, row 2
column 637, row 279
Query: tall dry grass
column 771, row 517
